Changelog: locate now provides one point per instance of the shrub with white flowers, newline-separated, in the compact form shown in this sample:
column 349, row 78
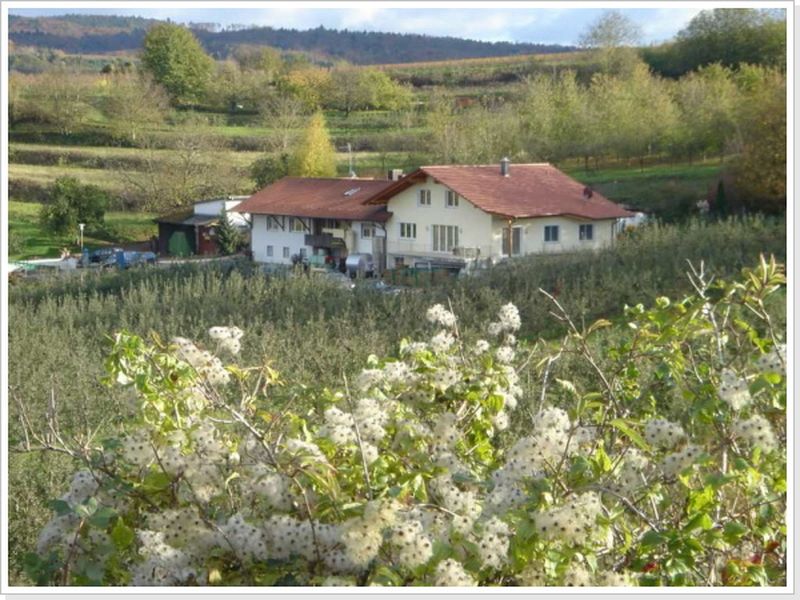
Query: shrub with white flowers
column 435, row 468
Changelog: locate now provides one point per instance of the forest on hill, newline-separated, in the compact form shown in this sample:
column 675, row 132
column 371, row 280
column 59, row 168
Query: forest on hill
column 91, row 34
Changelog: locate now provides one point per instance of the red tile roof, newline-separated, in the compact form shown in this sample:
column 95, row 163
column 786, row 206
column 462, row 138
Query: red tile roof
column 530, row 190
column 319, row 197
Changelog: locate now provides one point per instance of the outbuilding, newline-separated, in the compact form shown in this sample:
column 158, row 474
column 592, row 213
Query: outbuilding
column 194, row 231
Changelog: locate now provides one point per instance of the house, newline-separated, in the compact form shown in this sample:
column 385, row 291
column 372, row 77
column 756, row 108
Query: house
column 452, row 216
column 459, row 216
column 322, row 219
column 193, row 231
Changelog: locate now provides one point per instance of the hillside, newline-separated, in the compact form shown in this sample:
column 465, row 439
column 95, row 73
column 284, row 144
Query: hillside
column 90, row 34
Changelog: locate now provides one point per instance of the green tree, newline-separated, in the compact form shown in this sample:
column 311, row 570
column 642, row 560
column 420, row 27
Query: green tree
column 70, row 203
column 177, row 61
column 612, row 36
column 732, row 36
column 707, row 101
column 259, row 58
column 315, row 155
column 759, row 171
column 557, row 118
column 268, row 169
column 354, row 88
column 229, row 239
column 637, row 114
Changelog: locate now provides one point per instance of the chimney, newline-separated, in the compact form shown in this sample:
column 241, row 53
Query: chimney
column 395, row 174
column 505, row 166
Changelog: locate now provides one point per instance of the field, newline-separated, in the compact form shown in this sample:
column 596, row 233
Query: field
column 58, row 328
column 23, row 219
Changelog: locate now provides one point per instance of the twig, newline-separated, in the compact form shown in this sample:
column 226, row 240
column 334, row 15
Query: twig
column 630, row 505
column 367, row 482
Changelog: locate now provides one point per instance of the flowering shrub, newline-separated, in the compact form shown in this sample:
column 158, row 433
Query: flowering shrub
column 433, row 468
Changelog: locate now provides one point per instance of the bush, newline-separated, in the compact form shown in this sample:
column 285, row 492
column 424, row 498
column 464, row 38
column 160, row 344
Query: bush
column 70, row 203
column 666, row 467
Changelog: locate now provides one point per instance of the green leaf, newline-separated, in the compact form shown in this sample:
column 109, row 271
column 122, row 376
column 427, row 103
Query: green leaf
column 699, row 521
column 653, row 538
column 87, row 509
column 699, row 500
column 632, row 434
column 102, row 517
column 122, row 535
column 95, row 571
column 733, row 532
column 60, row 507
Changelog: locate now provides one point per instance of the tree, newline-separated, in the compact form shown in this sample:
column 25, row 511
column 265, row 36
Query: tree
column 259, row 58
column 233, row 88
column 759, row 172
column 311, row 85
column 229, row 239
column 636, row 113
column 732, row 36
column 134, row 102
column 60, row 97
column 176, row 60
column 284, row 114
column 556, row 117
column 269, row 169
column 70, row 203
column 195, row 167
column 315, row 155
column 354, row 88
column 611, row 36
column 707, row 101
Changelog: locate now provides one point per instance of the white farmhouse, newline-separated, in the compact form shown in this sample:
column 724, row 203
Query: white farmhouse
column 444, row 216
column 458, row 215
column 322, row 219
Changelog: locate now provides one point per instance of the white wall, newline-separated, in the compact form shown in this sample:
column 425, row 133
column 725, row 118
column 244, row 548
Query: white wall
column 295, row 241
column 532, row 238
column 260, row 238
column 362, row 244
column 214, row 207
column 475, row 226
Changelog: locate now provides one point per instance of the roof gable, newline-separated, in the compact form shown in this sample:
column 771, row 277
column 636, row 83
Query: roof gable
column 530, row 190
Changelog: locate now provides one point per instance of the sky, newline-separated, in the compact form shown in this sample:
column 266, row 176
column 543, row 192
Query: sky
column 490, row 23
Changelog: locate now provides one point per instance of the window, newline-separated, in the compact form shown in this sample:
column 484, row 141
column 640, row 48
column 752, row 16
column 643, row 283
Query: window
column 367, row 231
column 586, row 232
column 424, row 198
column 399, row 262
column 286, row 252
column 408, row 231
column 296, row 224
column 551, row 233
column 451, row 199
column 272, row 224
column 445, row 238
column 269, row 250
column 516, row 239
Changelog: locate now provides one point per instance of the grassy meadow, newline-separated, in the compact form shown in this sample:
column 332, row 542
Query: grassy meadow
column 124, row 226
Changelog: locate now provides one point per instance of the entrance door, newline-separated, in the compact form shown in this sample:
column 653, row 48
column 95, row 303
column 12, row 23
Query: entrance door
column 516, row 240
column 179, row 244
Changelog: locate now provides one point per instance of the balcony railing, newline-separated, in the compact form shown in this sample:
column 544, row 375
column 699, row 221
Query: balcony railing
column 323, row 240
column 418, row 248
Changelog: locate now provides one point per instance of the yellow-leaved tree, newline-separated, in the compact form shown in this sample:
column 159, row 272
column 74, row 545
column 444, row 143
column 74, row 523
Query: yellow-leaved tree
column 314, row 155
